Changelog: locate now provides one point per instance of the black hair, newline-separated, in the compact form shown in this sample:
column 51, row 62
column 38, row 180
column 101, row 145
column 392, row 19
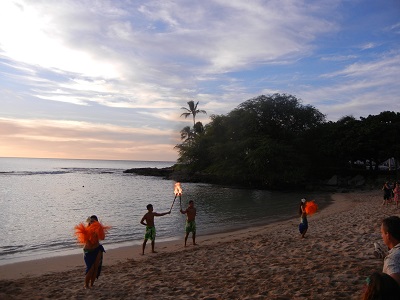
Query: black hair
column 149, row 206
column 300, row 210
column 94, row 217
column 381, row 286
column 392, row 225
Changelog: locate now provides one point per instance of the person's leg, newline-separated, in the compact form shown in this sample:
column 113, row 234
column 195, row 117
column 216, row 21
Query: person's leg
column 153, row 242
column 194, row 238
column 96, row 267
column 186, row 237
column 87, row 277
column 144, row 246
column 304, row 233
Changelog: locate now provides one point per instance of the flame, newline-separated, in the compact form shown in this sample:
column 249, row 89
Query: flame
column 178, row 189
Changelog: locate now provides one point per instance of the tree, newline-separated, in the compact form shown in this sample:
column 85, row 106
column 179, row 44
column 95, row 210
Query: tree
column 192, row 110
column 256, row 144
column 186, row 134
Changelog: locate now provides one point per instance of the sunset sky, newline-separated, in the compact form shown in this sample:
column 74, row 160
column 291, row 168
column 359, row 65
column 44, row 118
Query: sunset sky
column 102, row 79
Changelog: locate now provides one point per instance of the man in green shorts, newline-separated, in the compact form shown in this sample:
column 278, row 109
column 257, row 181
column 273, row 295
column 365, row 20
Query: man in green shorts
column 150, row 228
column 190, row 221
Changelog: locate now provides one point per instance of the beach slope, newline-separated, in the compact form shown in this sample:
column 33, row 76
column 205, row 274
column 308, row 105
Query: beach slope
column 266, row 262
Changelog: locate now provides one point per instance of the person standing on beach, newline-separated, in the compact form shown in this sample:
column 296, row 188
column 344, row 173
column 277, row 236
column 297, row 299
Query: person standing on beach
column 150, row 228
column 190, row 221
column 90, row 236
column 396, row 192
column 303, row 226
column 390, row 231
column 387, row 193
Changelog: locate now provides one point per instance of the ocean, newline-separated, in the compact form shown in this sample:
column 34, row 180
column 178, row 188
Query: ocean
column 41, row 200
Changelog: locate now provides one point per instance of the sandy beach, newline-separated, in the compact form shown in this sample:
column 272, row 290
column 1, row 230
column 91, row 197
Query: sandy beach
column 265, row 262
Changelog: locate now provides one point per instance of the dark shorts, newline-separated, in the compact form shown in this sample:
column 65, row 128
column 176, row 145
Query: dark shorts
column 150, row 233
column 190, row 227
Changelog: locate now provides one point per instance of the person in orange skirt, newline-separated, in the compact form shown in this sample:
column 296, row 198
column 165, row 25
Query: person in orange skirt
column 90, row 235
column 303, row 226
column 306, row 208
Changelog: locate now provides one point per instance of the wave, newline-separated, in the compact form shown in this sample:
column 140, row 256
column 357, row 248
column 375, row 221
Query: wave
column 63, row 171
column 28, row 173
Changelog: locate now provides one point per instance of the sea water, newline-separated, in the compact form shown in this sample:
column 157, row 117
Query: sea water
column 41, row 200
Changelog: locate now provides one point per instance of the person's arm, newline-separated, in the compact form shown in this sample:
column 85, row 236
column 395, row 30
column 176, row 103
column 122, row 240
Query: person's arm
column 183, row 211
column 142, row 221
column 162, row 214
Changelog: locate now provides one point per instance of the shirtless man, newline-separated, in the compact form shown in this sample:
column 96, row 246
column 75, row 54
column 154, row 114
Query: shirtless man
column 150, row 228
column 190, row 221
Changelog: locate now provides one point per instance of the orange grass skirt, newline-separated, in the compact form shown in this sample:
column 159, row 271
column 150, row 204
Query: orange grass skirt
column 91, row 233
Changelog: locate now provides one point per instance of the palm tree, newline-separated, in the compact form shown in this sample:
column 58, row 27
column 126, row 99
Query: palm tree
column 186, row 134
column 198, row 128
column 192, row 110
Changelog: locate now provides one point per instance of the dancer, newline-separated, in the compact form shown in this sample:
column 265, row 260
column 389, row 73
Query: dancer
column 190, row 221
column 90, row 237
column 387, row 193
column 303, row 226
column 150, row 228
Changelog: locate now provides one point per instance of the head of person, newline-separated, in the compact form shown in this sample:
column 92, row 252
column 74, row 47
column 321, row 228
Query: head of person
column 381, row 286
column 92, row 219
column 390, row 231
column 191, row 203
column 149, row 207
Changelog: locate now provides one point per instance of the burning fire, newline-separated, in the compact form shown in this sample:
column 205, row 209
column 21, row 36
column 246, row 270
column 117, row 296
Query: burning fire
column 178, row 189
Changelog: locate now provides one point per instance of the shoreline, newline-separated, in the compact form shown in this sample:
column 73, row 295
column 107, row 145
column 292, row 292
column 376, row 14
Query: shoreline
column 42, row 264
column 30, row 260
column 264, row 262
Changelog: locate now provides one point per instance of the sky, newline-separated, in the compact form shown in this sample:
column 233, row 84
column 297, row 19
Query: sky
column 107, row 79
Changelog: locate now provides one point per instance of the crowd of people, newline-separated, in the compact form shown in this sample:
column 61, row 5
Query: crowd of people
column 391, row 193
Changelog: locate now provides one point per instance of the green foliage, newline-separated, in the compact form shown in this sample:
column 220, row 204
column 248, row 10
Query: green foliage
column 192, row 110
column 275, row 141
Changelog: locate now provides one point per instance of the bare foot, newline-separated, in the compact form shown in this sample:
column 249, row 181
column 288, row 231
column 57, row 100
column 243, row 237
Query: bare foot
column 153, row 251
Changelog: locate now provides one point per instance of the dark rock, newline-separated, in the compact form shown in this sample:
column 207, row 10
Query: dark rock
column 163, row 172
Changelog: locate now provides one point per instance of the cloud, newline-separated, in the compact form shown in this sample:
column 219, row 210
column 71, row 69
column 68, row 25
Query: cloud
column 359, row 88
column 134, row 64
column 86, row 138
